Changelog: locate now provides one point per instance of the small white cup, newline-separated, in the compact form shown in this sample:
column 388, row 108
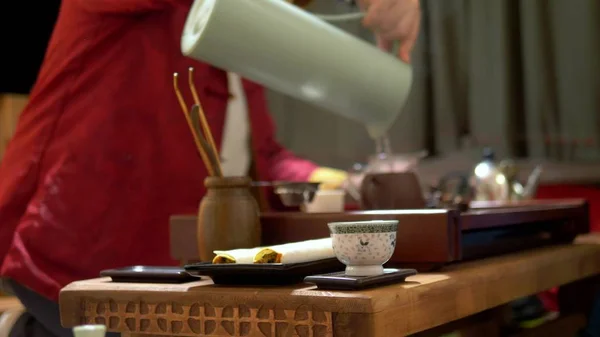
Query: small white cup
column 326, row 201
column 364, row 246
column 91, row 330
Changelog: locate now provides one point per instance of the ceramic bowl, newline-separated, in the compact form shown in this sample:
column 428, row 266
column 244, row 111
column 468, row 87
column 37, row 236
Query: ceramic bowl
column 296, row 193
column 290, row 193
column 364, row 246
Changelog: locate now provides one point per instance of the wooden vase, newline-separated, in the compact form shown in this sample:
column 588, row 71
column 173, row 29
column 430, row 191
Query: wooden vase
column 228, row 216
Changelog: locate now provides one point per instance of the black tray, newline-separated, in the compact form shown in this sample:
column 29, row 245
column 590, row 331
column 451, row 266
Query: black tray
column 263, row 274
column 148, row 274
column 340, row 281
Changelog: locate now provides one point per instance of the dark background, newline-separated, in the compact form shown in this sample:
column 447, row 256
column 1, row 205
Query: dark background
column 26, row 28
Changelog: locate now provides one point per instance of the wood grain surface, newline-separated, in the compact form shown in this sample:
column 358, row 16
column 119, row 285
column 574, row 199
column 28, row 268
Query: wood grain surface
column 9, row 303
column 424, row 302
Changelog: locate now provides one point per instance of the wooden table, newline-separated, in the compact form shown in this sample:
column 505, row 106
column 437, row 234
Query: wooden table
column 424, row 302
column 11, row 106
column 9, row 303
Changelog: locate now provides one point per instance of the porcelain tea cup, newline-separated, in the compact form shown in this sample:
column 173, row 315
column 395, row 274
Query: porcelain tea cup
column 364, row 246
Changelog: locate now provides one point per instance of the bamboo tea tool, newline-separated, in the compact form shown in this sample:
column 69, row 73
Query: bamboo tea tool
column 203, row 121
column 228, row 213
column 199, row 127
column 209, row 149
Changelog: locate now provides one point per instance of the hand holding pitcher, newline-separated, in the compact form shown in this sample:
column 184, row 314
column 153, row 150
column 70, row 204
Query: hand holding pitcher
column 393, row 20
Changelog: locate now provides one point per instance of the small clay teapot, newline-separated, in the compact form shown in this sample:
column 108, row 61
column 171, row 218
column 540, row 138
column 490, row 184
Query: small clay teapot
column 381, row 163
column 400, row 190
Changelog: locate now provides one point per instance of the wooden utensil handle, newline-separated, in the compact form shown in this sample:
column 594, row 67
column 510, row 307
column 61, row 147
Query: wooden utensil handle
column 212, row 157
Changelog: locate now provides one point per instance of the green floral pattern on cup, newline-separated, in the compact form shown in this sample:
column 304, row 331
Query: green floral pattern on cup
column 364, row 248
column 378, row 226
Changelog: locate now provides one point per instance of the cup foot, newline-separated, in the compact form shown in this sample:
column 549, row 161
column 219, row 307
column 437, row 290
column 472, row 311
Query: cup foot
column 364, row 270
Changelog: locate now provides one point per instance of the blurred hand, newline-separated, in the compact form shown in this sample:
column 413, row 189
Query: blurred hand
column 393, row 20
column 330, row 179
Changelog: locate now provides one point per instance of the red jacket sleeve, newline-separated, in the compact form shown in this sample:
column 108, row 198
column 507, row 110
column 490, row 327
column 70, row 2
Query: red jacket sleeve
column 273, row 161
column 124, row 6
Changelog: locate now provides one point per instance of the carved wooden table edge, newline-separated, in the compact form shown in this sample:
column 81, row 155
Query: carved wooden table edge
column 200, row 308
column 424, row 302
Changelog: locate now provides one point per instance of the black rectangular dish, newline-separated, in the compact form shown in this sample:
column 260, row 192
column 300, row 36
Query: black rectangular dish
column 149, row 274
column 264, row 274
column 341, row 281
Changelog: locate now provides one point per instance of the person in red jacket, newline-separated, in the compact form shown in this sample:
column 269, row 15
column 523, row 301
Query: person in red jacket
column 102, row 155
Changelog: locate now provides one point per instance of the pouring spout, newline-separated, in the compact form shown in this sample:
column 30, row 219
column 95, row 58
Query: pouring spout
column 533, row 182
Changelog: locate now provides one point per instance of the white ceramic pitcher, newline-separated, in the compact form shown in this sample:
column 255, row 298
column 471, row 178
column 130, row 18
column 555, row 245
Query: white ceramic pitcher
column 292, row 51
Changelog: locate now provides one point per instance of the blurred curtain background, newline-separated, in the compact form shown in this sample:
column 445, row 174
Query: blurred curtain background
column 521, row 76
